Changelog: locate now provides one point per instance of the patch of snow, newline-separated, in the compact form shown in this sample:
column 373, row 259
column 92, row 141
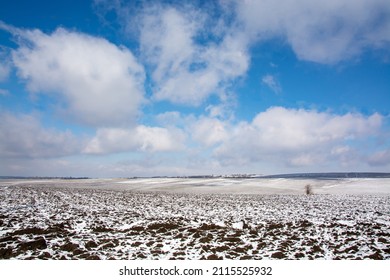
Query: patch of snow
column 220, row 224
column 238, row 225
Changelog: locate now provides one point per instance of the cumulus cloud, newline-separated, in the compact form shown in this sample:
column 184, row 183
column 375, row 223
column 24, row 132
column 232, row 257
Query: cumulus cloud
column 204, row 131
column 99, row 83
column 208, row 131
column 271, row 82
column 23, row 136
column 295, row 137
column 141, row 138
column 319, row 31
column 185, row 71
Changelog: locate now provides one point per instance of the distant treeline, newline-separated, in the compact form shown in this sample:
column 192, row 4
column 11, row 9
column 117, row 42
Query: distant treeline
column 330, row 175
column 40, row 178
column 201, row 176
column 325, row 175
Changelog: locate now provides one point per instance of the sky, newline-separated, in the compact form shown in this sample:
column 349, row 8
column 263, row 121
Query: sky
column 174, row 88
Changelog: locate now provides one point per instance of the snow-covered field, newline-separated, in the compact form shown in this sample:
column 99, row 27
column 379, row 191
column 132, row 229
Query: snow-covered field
column 177, row 218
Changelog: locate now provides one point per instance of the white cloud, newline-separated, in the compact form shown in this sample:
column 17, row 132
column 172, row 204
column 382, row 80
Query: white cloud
column 23, row 136
column 271, row 82
column 205, row 131
column 173, row 119
column 185, row 71
column 4, row 71
column 141, row 138
column 5, row 67
column 381, row 158
column 208, row 131
column 4, row 92
column 295, row 137
column 99, row 83
column 319, row 31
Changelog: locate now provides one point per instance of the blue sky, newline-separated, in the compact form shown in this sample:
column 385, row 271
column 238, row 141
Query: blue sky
column 145, row 88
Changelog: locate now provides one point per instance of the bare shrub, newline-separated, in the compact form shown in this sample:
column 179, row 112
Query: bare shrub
column 308, row 189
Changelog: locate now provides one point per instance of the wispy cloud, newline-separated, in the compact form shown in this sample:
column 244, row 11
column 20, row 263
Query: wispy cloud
column 380, row 158
column 271, row 82
column 185, row 71
column 4, row 92
column 320, row 31
column 5, row 67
